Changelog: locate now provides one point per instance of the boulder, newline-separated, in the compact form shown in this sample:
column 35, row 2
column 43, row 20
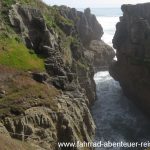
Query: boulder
column 40, row 77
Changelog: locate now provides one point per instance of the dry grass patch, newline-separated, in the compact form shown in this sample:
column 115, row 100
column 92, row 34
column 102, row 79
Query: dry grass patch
column 22, row 92
column 7, row 143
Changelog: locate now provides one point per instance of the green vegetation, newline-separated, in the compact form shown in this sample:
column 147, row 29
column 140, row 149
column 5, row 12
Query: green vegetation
column 65, row 45
column 8, row 143
column 82, row 66
column 34, row 3
column 76, row 42
column 13, row 53
column 7, row 3
column 60, row 19
column 23, row 92
column 53, row 18
column 49, row 21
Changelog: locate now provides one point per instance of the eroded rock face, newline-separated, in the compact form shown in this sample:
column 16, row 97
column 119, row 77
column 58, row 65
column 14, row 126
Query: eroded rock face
column 45, row 127
column 3, row 130
column 69, row 68
column 98, row 53
column 132, row 42
column 86, row 24
column 30, row 24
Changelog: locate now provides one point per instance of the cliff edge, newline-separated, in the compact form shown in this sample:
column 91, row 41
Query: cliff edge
column 48, row 59
column 132, row 43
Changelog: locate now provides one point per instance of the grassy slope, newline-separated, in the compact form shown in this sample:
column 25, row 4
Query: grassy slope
column 15, row 54
column 22, row 92
column 6, row 143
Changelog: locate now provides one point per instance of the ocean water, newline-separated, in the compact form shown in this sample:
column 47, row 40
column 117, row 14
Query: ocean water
column 108, row 18
column 116, row 117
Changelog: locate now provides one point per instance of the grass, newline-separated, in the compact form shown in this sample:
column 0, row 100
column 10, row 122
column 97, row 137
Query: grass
column 7, row 3
column 22, row 92
column 66, row 46
column 49, row 21
column 61, row 19
column 14, row 54
column 7, row 143
column 33, row 3
column 66, row 49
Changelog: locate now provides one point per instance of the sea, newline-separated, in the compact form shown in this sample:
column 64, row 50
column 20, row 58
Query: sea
column 116, row 117
column 108, row 18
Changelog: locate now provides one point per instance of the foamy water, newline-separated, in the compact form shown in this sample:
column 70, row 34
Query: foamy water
column 117, row 118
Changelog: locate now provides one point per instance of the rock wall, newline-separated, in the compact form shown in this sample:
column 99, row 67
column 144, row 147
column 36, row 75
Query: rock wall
column 98, row 53
column 72, row 50
column 132, row 42
column 86, row 23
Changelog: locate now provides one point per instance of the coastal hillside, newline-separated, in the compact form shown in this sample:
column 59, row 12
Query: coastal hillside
column 132, row 42
column 48, row 57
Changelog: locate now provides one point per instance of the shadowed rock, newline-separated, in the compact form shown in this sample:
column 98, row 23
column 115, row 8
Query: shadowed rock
column 132, row 42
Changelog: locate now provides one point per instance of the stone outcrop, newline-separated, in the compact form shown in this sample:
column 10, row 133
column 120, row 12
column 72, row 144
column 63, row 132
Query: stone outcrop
column 44, row 127
column 71, row 49
column 98, row 53
column 132, row 43
column 47, row 42
column 86, row 23
column 3, row 130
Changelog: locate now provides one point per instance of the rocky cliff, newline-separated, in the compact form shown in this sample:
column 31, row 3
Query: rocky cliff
column 49, row 56
column 132, row 42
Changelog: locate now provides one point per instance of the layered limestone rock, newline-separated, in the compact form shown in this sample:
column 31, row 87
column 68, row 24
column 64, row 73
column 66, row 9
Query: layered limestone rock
column 40, row 114
column 132, row 42
column 98, row 53
column 71, row 47
column 45, row 127
column 86, row 23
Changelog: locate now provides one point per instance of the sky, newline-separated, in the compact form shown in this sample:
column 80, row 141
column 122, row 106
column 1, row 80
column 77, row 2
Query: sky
column 93, row 3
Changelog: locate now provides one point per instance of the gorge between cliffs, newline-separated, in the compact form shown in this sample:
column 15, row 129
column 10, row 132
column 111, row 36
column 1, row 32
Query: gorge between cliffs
column 55, row 85
column 121, row 112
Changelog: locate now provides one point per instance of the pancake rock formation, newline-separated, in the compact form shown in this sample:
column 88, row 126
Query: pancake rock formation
column 132, row 43
column 53, row 105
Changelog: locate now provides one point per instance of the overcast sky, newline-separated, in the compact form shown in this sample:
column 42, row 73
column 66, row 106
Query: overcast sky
column 93, row 3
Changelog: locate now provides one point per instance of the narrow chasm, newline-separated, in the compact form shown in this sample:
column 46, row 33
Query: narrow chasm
column 117, row 118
